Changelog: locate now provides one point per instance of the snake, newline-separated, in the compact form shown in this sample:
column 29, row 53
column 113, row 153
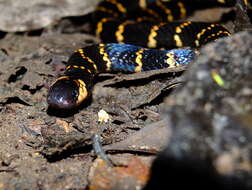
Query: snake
column 137, row 36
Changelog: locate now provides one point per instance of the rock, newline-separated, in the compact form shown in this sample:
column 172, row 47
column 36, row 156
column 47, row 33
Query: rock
column 26, row 15
column 210, row 119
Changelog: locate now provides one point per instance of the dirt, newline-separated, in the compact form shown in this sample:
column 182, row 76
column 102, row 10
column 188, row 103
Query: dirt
column 43, row 148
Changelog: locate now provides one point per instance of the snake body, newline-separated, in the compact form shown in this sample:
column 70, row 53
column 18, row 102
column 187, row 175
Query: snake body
column 144, row 23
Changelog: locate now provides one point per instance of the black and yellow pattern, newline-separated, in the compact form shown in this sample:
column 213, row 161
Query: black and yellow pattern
column 147, row 23
column 152, row 23
column 75, row 86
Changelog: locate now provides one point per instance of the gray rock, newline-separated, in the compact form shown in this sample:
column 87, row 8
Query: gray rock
column 25, row 15
column 210, row 119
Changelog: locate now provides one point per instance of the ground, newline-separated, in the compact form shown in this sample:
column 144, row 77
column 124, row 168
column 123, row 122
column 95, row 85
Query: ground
column 46, row 149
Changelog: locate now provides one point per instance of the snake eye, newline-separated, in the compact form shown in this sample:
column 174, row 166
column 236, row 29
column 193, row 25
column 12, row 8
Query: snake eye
column 63, row 94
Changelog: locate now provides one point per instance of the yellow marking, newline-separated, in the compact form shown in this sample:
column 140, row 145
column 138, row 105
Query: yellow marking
column 89, row 60
column 120, row 30
column 178, row 30
column 245, row 2
column 182, row 26
column 105, row 57
column 219, row 33
column 99, row 26
column 95, row 67
column 82, row 91
column 166, row 10
column 142, row 3
column 88, row 70
column 221, row 1
column 202, row 32
column 170, row 60
column 197, row 43
column 178, row 41
column 187, row 23
column 224, row 32
column 81, row 52
column 75, row 66
column 103, row 9
column 119, row 6
column 152, row 43
column 138, row 60
column 182, row 10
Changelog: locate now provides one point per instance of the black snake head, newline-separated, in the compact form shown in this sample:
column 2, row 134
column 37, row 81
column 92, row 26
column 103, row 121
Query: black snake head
column 67, row 93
